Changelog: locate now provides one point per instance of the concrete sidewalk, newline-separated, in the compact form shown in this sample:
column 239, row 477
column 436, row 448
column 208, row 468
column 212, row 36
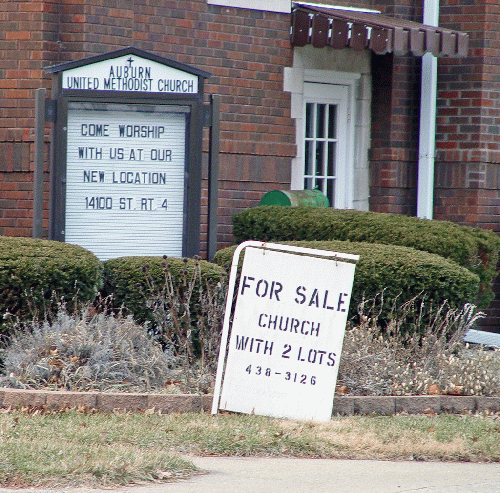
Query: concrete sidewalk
column 276, row 475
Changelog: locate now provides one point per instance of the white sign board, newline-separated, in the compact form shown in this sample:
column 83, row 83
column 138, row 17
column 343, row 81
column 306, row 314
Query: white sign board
column 125, row 171
column 130, row 73
column 287, row 333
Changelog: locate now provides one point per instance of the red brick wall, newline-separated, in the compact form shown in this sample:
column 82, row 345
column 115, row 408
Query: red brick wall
column 393, row 154
column 395, row 120
column 467, row 173
column 245, row 51
column 248, row 51
column 468, row 138
column 23, row 46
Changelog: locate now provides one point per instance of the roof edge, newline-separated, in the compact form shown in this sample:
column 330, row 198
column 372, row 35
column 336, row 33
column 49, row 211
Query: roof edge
column 331, row 26
column 129, row 50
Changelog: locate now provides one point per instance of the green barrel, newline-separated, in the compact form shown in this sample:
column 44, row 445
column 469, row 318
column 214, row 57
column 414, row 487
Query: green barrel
column 292, row 198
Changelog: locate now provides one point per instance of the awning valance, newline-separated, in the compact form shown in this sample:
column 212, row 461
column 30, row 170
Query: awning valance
column 324, row 26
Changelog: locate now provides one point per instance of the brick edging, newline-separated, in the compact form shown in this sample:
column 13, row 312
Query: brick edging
column 181, row 403
column 103, row 401
column 414, row 404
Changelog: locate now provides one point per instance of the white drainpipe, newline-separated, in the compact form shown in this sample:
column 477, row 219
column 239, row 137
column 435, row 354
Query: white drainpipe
column 427, row 139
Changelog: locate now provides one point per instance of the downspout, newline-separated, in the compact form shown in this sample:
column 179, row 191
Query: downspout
column 427, row 134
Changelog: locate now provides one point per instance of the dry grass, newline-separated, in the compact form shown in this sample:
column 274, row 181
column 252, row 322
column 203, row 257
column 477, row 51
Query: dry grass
column 74, row 450
column 445, row 437
column 188, row 314
column 95, row 351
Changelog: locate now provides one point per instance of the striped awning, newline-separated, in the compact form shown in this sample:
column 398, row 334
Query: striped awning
column 323, row 26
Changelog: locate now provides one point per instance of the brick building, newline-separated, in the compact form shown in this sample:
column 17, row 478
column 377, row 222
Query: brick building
column 286, row 73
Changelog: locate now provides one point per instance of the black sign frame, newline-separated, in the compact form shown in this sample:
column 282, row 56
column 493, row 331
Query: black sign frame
column 193, row 143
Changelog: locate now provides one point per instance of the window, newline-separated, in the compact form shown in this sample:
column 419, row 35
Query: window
column 325, row 156
column 320, row 154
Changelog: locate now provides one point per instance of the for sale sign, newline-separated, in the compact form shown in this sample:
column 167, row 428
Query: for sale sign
column 287, row 332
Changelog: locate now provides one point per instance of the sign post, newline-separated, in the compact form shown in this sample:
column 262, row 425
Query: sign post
column 286, row 336
column 126, row 179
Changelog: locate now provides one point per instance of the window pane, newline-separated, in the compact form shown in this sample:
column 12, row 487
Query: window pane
column 321, row 146
column 320, row 157
column 331, row 159
column 308, row 158
column 309, row 120
column 320, row 120
column 332, row 121
column 330, row 192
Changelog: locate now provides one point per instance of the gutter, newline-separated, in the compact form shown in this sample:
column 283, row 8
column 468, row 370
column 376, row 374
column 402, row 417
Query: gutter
column 427, row 133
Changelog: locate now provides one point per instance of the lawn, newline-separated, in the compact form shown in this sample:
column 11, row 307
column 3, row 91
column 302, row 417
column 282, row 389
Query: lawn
column 76, row 448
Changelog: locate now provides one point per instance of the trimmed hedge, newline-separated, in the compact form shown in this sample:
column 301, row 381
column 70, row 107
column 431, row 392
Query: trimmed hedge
column 36, row 269
column 125, row 280
column 401, row 272
column 473, row 248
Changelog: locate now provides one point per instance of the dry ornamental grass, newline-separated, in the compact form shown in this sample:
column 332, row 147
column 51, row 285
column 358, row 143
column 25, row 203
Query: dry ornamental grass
column 430, row 360
column 92, row 350
column 86, row 351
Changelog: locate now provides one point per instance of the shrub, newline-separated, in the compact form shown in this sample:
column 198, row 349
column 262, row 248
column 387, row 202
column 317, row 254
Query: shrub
column 473, row 248
column 189, row 315
column 86, row 351
column 32, row 270
column 126, row 281
column 431, row 361
column 398, row 274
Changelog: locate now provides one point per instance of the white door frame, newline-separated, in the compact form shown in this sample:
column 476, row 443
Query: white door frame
column 342, row 84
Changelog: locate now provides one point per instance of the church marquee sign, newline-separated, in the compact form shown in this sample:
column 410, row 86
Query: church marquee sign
column 126, row 175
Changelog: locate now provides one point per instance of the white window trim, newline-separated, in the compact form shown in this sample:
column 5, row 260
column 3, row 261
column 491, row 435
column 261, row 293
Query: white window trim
column 282, row 6
column 327, row 77
column 340, row 7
